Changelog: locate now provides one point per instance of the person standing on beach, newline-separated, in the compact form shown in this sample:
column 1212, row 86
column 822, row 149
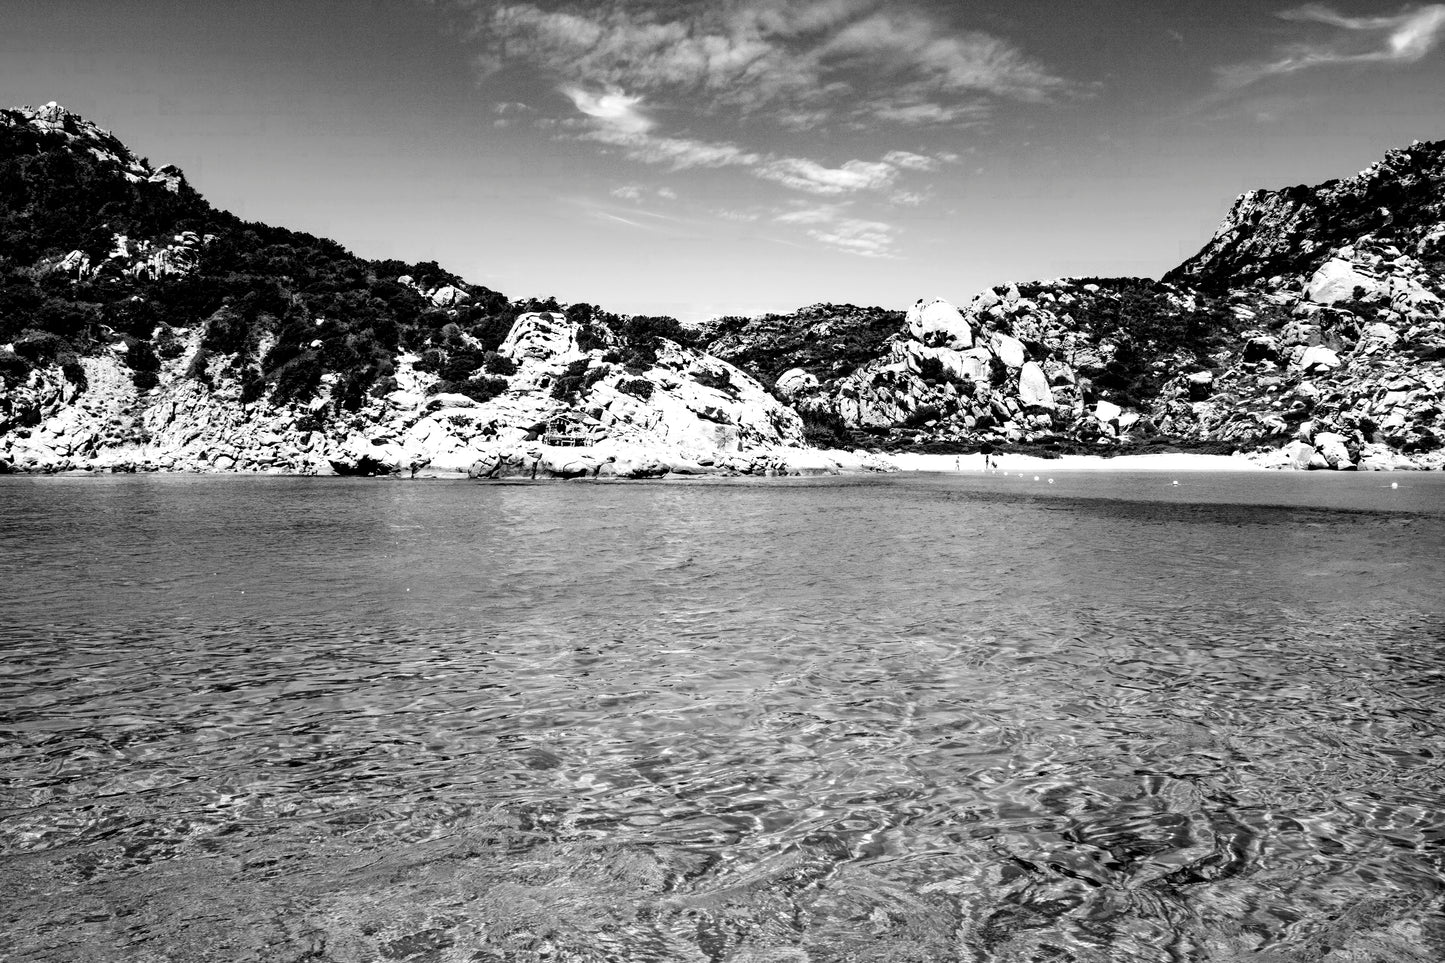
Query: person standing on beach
column 987, row 450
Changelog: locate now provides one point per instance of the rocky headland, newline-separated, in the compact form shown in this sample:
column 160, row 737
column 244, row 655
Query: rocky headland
column 143, row 330
column 1308, row 333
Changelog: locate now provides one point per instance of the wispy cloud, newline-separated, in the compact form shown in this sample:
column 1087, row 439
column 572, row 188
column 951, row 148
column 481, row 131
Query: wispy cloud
column 835, row 226
column 1402, row 38
column 639, row 193
column 680, row 153
column 797, row 64
column 796, row 173
column 805, row 175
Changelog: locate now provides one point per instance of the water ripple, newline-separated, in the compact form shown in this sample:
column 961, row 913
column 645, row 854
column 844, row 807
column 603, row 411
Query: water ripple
column 907, row 719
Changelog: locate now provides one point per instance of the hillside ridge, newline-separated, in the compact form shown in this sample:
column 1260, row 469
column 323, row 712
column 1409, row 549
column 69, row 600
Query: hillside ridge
column 140, row 328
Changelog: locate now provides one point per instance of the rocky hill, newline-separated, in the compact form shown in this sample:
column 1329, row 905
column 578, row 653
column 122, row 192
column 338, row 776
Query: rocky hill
column 142, row 329
column 1397, row 202
column 1308, row 332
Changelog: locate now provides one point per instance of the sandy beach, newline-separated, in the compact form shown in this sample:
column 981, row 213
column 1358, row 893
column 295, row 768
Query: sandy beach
column 1164, row 462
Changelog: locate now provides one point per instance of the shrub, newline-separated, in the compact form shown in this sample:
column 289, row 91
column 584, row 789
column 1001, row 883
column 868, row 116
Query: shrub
column 13, row 367
column 639, row 388
column 40, row 347
column 922, row 415
column 298, row 379
column 499, row 364
column 590, row 337
column 569, row 383
column 824, row 428
column 73, row 370
column 930, row 369
column 479, row 389
column 168, row 346
column 253, row 386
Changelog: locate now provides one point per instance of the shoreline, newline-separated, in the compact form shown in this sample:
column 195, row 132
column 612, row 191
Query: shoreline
column 842, row 463
column 1154, row 461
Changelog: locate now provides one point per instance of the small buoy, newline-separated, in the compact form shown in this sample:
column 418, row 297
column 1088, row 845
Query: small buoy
column 1051, row 481
column 1176, row 483
column 1036, row 478
column 1394, row 484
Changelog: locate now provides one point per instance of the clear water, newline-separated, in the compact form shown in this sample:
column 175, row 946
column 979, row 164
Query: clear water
column 904, row 718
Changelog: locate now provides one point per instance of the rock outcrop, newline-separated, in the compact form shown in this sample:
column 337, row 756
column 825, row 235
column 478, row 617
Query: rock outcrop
column 1310, row 330
column 688, row 413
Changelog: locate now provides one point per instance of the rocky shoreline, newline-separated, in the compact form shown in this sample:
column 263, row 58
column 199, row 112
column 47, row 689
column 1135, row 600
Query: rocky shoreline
column 143, row 330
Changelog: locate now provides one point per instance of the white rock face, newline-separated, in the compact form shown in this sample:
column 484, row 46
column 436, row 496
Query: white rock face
column 938, row 322
column 446, row 296
column 794, row 382
column 540, row 336
column 1008, row 349
column 1331, row 447
column 976, row 365
column 1034, row 389
column 695, row 408
column 1107, row 411
column 1336, row 281
column 1339, row 278
column 1318, row 357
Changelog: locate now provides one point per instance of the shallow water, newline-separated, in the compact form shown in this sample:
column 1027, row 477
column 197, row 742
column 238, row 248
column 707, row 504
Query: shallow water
column 967, row 717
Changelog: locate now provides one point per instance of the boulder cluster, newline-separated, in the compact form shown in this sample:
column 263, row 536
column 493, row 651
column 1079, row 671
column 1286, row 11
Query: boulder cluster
column 565, row 412
column 1308, row 333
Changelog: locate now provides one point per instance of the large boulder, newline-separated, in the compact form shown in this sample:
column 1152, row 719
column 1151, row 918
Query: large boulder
column 1009, row 350
column 1331, row 445
column 1338, row 280
column 541, row 335
column 1107, row 411
column 794, row 382
column 1034, row 391
column 939, row 323
column 1319, row 358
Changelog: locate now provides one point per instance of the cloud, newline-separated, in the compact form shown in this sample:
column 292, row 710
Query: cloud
column 801, row 65
column 805, row 175
column 613, row 109
column 908, row 42
column 637, row 193
column 730, row 214
column 833, row 225
column 796, row 173
column 910, row 161
column 1403, row 38
column 925, row 112
column 679, row 153
column 860, row 237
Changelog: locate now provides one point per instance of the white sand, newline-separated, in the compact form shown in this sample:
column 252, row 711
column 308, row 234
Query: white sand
column 1172, row 461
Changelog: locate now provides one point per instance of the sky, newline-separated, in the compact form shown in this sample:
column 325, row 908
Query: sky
column 705, row 157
